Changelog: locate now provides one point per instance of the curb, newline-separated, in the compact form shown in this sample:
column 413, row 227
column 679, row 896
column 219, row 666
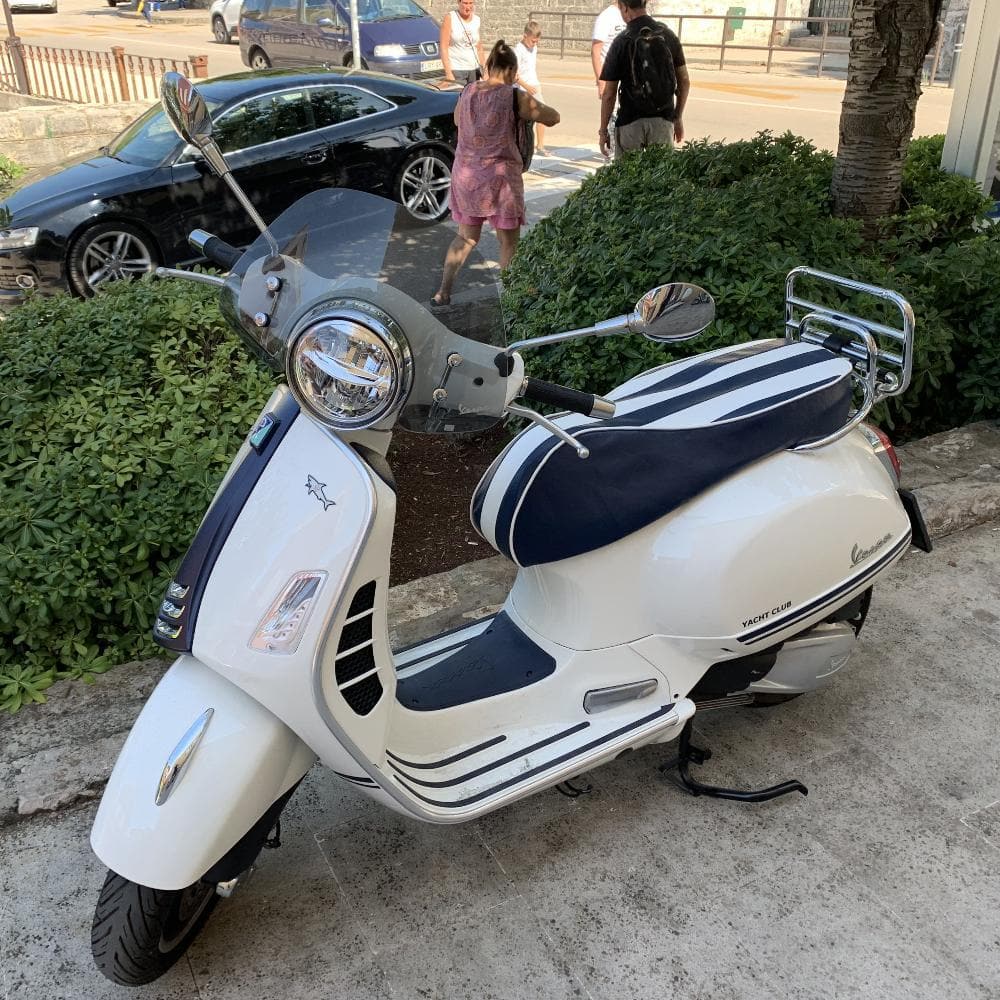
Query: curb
column 55, row 756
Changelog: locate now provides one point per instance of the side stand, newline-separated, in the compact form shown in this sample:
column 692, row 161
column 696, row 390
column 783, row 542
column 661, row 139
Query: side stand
column 688, row 754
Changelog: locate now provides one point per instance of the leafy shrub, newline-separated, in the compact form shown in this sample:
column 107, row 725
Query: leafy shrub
column 735, row 218
column 118, row 418
column 9, row 173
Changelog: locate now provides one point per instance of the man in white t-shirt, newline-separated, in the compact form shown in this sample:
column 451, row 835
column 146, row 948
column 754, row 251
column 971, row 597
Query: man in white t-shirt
column 606, row 28
column 526, row 51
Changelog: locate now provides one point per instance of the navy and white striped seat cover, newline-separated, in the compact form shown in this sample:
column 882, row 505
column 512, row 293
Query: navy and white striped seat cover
column 678, row 430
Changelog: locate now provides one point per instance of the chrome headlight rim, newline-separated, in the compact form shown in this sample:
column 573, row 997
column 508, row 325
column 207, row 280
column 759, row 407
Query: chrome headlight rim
column 386, row 329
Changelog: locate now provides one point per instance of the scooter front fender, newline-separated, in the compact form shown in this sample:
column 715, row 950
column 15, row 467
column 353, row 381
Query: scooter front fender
column 228, row 766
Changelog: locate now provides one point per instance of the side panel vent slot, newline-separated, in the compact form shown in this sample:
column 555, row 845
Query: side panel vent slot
column 363, row 696
column 364, row 600
column 355, row 668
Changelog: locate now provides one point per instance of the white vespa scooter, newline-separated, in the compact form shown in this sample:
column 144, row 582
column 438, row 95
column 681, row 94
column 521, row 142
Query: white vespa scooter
column 717, row 547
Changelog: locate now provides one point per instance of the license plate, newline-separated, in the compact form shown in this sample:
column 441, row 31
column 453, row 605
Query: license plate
column 431, row 64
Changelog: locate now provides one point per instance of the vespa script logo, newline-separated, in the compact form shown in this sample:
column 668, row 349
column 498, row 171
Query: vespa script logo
column 859, row 554
column 318, row 490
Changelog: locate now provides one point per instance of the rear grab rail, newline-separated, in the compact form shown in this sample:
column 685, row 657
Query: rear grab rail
column 881, row 355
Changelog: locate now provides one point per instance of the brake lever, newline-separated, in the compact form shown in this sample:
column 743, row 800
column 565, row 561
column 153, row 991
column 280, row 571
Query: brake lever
column 582, row 451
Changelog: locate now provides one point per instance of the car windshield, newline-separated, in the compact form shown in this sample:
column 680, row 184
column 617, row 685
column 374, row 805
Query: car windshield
column 149, row 140
column 388, row 10
column 342, row 246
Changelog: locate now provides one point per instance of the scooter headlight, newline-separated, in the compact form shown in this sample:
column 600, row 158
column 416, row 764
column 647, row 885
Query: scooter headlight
column 350, row 371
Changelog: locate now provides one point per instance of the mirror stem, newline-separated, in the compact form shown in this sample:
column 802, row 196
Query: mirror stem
column 252, row 212
column 620, row 324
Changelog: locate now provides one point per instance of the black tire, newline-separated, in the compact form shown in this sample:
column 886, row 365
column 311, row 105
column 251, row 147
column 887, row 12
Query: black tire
column 423, row 185
column 259, row 60
column 770, row 700
column 139, row 933
column 109, row 251
column 112, row 3
column 220, row 32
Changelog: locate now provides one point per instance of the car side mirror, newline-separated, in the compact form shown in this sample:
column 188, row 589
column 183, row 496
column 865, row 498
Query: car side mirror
column 187, row 112
column 674, row 312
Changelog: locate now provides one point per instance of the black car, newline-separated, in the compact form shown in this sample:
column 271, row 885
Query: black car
column 285, row 133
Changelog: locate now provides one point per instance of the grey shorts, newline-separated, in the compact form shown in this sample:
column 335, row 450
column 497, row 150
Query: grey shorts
column 642, row 133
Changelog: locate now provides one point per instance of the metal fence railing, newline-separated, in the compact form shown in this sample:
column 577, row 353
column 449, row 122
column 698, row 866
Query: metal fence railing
column 718, row 32
column 83, row 76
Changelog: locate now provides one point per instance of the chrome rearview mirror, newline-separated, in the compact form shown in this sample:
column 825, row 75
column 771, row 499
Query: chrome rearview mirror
column 187, row 112
column 673, row 312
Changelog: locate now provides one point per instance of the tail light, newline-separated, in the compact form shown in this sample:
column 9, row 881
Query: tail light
column 884, row 449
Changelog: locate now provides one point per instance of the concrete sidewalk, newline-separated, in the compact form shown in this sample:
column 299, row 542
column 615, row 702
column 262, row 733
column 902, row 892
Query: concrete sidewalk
column 882, row 883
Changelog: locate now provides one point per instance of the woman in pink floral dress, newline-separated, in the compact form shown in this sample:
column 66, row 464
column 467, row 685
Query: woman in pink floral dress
column 486, row 179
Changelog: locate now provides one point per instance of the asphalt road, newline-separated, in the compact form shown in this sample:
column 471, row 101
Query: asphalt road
column 732, row 104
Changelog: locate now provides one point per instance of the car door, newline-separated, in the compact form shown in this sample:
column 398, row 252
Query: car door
column 359, row 128
column 275, row 153
column 325, row 34
column 282, row 37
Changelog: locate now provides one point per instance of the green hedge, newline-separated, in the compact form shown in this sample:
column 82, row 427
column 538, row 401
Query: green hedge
column 9, row 173
column 735, row 218
column 119, row 415
column 118, row 418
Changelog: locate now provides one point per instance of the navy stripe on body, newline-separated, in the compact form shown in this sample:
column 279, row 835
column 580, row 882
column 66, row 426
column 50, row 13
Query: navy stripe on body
column 525, row 775
column 821, row 603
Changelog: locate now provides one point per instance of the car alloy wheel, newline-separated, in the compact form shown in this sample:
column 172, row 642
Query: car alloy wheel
column 220, row 31
column 425, row 185
column 259, row 61
column 109, row 252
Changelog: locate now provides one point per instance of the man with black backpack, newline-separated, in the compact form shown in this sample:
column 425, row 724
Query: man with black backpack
column 646, row 62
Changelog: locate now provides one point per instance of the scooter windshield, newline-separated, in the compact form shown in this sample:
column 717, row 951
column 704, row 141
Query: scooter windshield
column 340, row 246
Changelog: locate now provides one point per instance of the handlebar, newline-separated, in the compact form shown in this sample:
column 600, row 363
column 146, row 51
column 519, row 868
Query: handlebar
column 565, row 398
column 218, row 251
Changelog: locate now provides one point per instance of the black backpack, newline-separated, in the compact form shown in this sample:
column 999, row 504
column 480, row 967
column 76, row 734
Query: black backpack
column 652, row 82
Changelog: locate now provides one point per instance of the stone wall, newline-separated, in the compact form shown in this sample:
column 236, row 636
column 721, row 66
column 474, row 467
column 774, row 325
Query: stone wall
column 47, row 135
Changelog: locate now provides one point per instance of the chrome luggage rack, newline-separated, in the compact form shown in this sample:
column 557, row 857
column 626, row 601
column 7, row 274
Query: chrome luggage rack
column 882, row 356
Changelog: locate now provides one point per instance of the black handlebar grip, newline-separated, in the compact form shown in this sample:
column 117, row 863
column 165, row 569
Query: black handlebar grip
column 222, row 253
column 559, row 395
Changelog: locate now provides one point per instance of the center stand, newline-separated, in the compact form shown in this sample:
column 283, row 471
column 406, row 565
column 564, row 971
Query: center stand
column 688, row 754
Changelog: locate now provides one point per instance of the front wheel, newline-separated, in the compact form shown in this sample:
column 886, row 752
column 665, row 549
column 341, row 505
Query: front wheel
column 423, row 186
column 259, row 60
column 110, row 251
column 139, row 932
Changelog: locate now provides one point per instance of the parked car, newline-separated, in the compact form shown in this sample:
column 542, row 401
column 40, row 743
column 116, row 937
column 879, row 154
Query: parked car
column 130, row 208
column 224, row 16
column 36, row 6
column 396, row 36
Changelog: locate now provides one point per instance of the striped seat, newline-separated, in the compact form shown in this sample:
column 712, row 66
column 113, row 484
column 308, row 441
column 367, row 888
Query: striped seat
column 678, row 431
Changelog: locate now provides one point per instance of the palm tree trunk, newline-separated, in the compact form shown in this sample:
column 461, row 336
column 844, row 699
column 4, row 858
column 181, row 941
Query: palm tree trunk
column 889, row 40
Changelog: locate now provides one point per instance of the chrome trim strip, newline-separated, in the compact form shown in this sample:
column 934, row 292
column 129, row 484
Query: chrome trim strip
column 181, row 756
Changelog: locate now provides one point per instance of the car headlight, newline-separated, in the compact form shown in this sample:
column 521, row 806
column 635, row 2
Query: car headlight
column 389, row 52
column 350, row 370
column 18, row 239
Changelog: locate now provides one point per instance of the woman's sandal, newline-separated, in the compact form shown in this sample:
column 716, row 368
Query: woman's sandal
column 438, row 302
